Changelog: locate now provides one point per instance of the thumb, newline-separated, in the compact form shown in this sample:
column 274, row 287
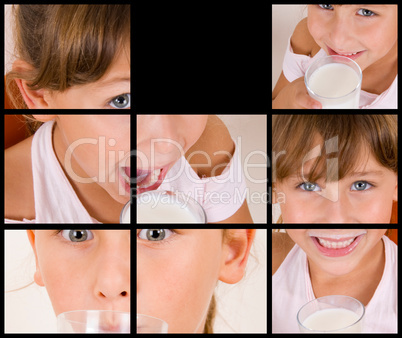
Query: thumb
column 307, row 102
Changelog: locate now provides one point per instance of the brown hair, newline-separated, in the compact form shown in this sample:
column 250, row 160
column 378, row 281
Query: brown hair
column 356, row 136
column 66, row 45
column 32, row 124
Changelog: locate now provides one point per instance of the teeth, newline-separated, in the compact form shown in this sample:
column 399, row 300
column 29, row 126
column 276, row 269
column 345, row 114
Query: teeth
column 348, row 54
column 154, row 178
column 335, row 245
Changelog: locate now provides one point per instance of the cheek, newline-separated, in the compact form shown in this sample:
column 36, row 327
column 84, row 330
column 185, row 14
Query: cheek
column 377, row 211
column 62, row 285
column 315, row 27
column 180, row 289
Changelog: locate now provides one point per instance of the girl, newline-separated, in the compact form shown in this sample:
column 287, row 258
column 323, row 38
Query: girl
column 74, row 169
column 335, row 168
column 305, row 266
column 193, row 154
column 178, row 288
column 71, row 56
column 101, row 280
column 366, row 34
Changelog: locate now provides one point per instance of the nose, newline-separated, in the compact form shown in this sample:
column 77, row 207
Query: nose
column 340, row 32
column 338, row 210
column 112, row 283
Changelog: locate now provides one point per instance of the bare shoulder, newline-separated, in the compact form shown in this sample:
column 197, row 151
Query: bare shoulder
column 302, row 42
column 213, row 151
column 18, row 182
column 281, row 246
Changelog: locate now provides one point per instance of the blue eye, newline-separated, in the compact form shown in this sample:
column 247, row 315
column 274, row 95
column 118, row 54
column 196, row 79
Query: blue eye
column 361, row 186
column 123, row 101
column 308, row 186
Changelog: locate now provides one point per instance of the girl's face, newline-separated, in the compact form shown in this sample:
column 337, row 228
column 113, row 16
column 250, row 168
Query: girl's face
column 83, row 269
column 163, row 139
column 92, row 148
column 177, row 271
column 337, row 266
column 112, row 91
column 363, row 197
column 347, row 29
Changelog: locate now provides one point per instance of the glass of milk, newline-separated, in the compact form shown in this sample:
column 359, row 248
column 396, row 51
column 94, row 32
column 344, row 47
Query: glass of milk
column 125, row 214
column 147, row 324
column 93, row 321
column 335, row 81
column 160, row 207
column 331, row 314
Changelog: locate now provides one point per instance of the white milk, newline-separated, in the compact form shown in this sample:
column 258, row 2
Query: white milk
column 335, row 80
column 170, row 212
column 164, row 210
column 333, row 319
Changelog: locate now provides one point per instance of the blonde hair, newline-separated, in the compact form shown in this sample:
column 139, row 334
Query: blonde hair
column 66, row 45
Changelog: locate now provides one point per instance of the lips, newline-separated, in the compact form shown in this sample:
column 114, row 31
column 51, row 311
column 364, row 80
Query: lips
column 336, row 248
column 124, row 177
column 350, row 55
column 148, row 180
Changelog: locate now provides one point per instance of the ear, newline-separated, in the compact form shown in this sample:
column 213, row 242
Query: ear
column 395, row 197
column 37, row 276
column 237, row 247
column 34, row 99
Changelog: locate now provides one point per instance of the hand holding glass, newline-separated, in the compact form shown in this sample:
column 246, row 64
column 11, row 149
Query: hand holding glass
column 335, row 81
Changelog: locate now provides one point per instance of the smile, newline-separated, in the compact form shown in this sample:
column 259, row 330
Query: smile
column 350, row 55
column 331, row 247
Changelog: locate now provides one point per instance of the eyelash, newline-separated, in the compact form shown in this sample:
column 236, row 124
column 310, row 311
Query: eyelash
column 60, row 236
column 298, row 186
column 163, row 241
column 108, row 103
column 364, row 16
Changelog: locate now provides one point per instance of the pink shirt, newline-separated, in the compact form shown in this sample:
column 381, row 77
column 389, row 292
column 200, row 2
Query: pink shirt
column 220, row 196
column 55, row 198
column 295, row 66
column 291, row 289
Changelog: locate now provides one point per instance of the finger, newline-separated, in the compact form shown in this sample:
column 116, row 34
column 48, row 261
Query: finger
column 307, row 102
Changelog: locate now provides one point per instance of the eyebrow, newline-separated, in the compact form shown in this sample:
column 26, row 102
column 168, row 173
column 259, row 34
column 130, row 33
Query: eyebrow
column 113, row 81
column 367, row 173
column 352, row 174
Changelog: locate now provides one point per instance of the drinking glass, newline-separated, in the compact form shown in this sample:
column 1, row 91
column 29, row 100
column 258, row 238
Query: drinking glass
column 331, row 314
column 160, row 207
column 335, row 81
column 125, row 214
column 93, row 321
column 147, row 324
